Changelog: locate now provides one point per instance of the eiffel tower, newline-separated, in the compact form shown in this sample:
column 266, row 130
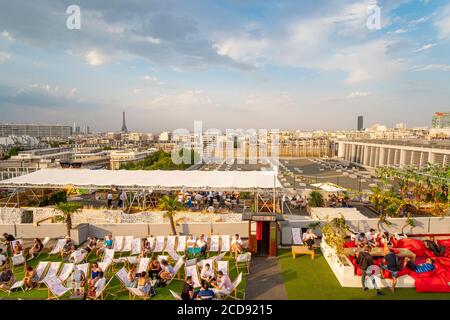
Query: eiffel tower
column 124, row 125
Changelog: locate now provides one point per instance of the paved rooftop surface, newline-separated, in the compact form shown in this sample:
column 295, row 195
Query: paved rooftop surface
column 265, row 281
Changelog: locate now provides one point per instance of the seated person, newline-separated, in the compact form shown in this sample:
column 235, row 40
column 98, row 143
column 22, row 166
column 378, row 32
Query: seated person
column 7, row 278
column 95, row 271
column 71, row 254
column 205, row 293
column 143, row 283
column 67, row 248
column 92, row 244
column 17, row 249
column 154, row 269
column 436, row 249
column 166, row 273
column 361, row 240
column 190, row 242
column 132, row 277
column 78, row 280
column 188, row 289
column 207, row 274
column 309, row 238
column 201, row 243
column 427, row 266
column 223, row 285
column 107, row 244
column 236, row 245
column 30, row 279
column 97, row 287
column 35, row 248
column 3, row 258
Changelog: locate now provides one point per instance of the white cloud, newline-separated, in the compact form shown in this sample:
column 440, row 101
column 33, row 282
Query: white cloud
column 431, row 67
column 4, row 56
column 7, row 35
column 357, row 94
column 398, row 31
column 95, row 58
column 425, row 47
column 148, row 78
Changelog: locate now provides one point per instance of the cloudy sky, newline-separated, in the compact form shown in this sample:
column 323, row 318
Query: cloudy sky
column 232, row 64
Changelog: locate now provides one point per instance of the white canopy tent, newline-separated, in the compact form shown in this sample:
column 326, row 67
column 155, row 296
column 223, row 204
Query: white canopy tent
column 135, row 180
column 330, row 187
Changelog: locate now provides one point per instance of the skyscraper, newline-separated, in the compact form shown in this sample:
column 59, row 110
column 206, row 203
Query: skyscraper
column 124, row 125
column 360, row 123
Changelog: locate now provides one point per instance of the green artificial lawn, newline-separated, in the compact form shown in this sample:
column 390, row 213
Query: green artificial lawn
column 313, row 279
column 114, row 290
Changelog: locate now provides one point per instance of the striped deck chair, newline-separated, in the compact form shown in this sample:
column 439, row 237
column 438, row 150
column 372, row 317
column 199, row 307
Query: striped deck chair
column 136, row 246
column 214, row 244
column 170, row 244
column 159, row 245
column 128, row 241
column 100, row 293
column 176, row 271
column 193, row 272
column 234, row 292
column 108, row 258
column 122, row 275
column 45, row 242
column 17, row 285
column 225, row 245
column 143, row 265
column 201, row 264
column 52, row 271
column 118, row 243
column 58, row 246
column 41, row 269
column 83, row 267
column 181, row 247
column 19, row 241
column 220, row 257
column 55, row 288
column 191, row 262
column 66, row 271
column 17, row 260
column 137, row 293
column 222, row 266
column 78, row 256
column 174, row 255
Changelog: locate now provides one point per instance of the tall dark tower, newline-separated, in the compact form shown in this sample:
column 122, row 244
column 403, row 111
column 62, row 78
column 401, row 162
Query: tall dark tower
column 124, row 125
column 360, row 123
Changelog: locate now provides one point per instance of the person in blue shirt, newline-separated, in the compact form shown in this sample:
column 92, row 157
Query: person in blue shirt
column 205, row 293
column 427, row 266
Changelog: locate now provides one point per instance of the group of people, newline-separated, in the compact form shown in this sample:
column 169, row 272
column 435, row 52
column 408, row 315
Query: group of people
column 213, row 285
column 208, row 200
column 16, row 248
column 120, row 202
column 335, row 201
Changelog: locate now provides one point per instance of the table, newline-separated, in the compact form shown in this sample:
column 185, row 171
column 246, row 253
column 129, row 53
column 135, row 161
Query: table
column 380, row 252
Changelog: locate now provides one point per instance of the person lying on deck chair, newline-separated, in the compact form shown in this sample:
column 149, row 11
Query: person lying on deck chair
column 427, row 266
column 309, row 238
column 17, row 249
column 201, row 243
column 132, row 276
column 437, row 250
column 92, row 244
column 36, row 248
column 95, row 271
column 190, row 242
column 107, row 244
column 143, row 283
column 145, row 251
column 7, row 278
column 66, row 250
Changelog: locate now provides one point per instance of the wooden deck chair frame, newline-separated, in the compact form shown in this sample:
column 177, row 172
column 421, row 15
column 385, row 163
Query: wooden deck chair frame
column 234, row 293
column 181, row 244
column 159, row 246
column 143, row 261
column 177, row 271
column 103, row 294
column 134, row 293
column 189, row 271
column 225, row 243
column 123, row 285
column 85, row 268
column 17, row 260
column 52, row 271
column 223, row 264
column 175, row 295
column 51, row 294
column 136, row 246
column 58, row 246
column 215, row 239
column 241, row 263
column 45, row 243
column 127, row 243
column 118, row 244
column 66, row 274
column 170, row 244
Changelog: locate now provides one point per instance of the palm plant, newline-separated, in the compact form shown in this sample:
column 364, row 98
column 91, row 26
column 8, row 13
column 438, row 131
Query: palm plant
column 170, row 205
column 409, row 222
column 316, row 199
column 67, row 209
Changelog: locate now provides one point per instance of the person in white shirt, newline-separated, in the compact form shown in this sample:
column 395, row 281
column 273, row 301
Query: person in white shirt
column 201, row 243
column 236, row 245
column 109, row 197
column 207, row 274
column 122, row 198
column 309, row 238
column 190, row 242
column 223, row 285
column 371, row 237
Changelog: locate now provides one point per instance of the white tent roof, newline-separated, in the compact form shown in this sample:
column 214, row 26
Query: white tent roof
column 331, row 213
column 141, row 179
column 328, row 187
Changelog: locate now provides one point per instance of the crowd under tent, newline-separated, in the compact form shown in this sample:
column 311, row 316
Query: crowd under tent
column 139, row 183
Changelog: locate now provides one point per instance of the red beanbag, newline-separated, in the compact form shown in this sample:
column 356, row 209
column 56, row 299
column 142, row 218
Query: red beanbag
column 349, row 244
column 444, row 242
column 414, row 245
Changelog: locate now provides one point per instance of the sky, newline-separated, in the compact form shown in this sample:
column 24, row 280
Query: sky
column 272, row 64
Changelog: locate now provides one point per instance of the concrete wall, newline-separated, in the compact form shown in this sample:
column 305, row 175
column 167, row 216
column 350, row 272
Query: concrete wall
column 138, row 230
column 194, row 228
column 52, row 230
column 240, row 228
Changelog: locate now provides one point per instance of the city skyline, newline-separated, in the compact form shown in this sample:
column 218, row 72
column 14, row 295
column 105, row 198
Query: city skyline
column 234, row 64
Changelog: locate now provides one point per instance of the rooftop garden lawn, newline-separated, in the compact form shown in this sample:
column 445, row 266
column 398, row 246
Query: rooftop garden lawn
column 112, row 289
column 314, row 280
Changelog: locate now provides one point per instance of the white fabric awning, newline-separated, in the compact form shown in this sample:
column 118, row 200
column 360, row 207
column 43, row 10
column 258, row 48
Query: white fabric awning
column 141, row 179
column 328, row 187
